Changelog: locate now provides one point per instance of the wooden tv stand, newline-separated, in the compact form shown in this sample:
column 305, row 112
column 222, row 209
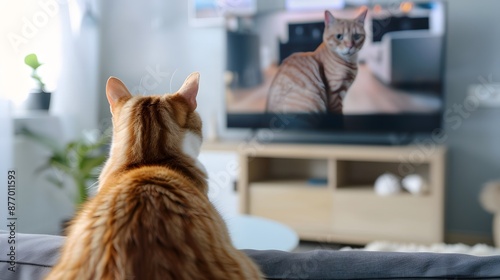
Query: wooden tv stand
column 326, row 193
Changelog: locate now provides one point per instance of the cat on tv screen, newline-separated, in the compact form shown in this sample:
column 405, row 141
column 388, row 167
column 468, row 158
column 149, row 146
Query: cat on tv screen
column 366, row 68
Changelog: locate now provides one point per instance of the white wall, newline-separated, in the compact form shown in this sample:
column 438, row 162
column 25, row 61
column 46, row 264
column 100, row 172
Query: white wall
column 41, row 206
column 137, row 36
column 473, row 53
column 141, row 38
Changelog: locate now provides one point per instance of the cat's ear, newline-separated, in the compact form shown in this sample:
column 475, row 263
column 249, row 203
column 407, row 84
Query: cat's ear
column 329, row 19
column 362, row 16
column 116, row 90
column 189, row 89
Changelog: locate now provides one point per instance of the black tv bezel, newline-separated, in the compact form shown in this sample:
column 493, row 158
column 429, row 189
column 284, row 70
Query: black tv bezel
column 366, row 123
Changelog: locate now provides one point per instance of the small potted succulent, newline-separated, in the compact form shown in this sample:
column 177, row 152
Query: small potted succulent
column 39, row 98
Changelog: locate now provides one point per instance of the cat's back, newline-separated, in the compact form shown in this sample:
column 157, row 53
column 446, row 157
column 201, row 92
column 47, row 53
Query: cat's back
column 298, row 85
column 296, row 62
column 162, row 210
column 299, row 69
column 158, row 177
column 169, row 213
column 161, row 188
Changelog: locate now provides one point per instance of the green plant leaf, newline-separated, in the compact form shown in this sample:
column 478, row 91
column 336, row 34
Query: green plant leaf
column 62, row 164
column 82, row 191
column 32, row 61
column 70, row 146
column 88, row 163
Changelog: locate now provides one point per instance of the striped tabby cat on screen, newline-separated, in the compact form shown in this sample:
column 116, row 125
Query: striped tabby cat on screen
column 317, row 82
column 151, row 217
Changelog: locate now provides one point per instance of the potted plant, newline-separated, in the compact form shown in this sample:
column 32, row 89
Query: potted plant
column 81, row 160
column 39, row 98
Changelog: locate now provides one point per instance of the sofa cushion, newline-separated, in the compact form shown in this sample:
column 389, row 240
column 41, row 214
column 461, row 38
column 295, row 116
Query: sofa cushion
column 331, row 264
column 35, row 254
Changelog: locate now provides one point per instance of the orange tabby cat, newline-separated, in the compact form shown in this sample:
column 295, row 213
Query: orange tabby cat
column 151, row 217
column 318, row 81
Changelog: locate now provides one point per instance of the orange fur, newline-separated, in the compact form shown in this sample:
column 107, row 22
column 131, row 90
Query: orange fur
column 151, row 218
column 316, row 82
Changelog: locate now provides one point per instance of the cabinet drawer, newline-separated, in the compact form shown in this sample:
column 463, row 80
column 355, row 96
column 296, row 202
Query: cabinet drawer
column 304, row 208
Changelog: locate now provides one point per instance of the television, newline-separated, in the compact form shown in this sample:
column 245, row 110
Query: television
column 399, row 83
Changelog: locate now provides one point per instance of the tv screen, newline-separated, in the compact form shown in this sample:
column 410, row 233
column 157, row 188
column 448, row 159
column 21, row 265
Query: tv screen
column 387, row 78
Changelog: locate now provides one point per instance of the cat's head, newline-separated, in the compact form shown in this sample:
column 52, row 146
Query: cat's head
column 344, row 36
column 156, row 128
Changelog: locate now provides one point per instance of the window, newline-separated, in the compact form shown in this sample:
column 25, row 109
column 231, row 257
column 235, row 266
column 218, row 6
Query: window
column 29, row 26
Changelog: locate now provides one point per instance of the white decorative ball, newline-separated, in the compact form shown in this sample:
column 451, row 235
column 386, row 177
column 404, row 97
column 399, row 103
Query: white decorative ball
column 415, row 184
column 490, row 197
column 387, row 184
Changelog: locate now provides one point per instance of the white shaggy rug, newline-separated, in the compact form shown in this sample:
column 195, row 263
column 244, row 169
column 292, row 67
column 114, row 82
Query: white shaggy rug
column 477, row 250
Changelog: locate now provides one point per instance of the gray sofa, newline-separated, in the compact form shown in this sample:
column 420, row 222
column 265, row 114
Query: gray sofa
column 35, row 254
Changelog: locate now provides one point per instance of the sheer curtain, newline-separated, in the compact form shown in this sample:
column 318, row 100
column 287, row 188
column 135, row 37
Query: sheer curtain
column 78, row 90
